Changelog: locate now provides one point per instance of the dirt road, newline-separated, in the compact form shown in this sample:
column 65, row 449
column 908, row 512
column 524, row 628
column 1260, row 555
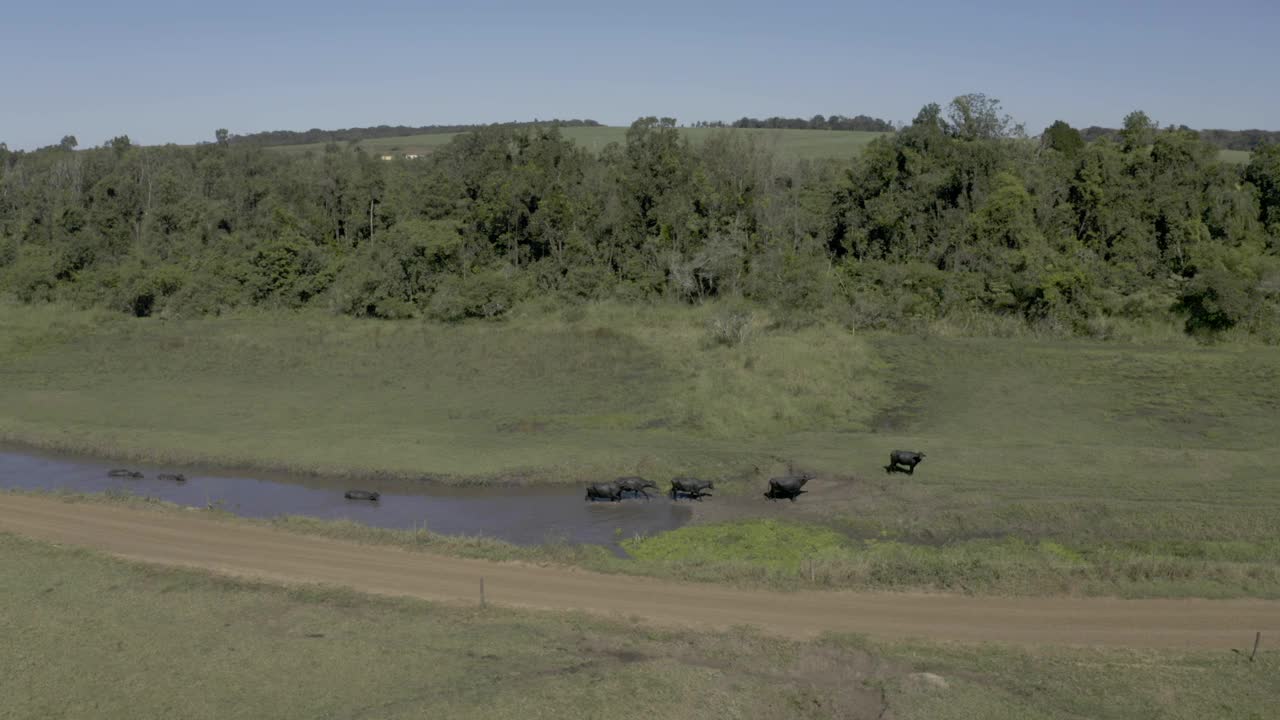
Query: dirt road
column 258, row 552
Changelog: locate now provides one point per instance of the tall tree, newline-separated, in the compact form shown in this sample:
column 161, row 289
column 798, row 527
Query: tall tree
column 1062, row 137
column 978, row 117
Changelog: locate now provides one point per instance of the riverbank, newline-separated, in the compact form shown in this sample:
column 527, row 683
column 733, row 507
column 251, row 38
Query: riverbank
column 1054, row 466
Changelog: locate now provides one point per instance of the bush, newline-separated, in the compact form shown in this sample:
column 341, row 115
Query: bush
column 33, row 275
column 797, row 284
column 485, row 294
column 393, row 274
column 8, row 251
column 1225, row 289
column 731, row 326
column 290, row 270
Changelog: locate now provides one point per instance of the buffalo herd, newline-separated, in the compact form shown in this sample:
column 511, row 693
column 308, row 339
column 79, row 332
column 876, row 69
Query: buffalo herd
column 787, row 487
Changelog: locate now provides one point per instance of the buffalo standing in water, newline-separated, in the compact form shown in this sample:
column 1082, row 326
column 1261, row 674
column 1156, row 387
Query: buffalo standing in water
column 787, row 487
column 362, row 495
column 904, row 461
column 610, row 491
column 172, row 477
column 124, row 473
column 636, row 485
column 692, row 487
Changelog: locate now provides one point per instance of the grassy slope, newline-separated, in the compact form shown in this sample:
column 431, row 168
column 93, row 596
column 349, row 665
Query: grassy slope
column 802, row 144
column 1054, row 466
column 91, row 637
column 623, row 389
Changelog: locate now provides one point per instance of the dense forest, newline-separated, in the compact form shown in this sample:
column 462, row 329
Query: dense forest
column 954, row 215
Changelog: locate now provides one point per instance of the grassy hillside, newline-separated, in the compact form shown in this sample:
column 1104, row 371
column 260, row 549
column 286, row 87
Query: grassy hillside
column 543, row 396
column 805, row 144
column 101, row 638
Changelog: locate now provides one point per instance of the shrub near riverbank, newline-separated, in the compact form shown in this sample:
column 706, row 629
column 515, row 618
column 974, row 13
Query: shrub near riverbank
column 781, row 554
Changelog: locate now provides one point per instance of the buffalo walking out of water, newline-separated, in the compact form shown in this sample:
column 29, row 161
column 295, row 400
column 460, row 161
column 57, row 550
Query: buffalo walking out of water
column 694, row 488
column 119, row 472
column 172, row 477
column 610, row 491
column 787, row 487
column 372, row 495
column 904, row 461
column 636, row 485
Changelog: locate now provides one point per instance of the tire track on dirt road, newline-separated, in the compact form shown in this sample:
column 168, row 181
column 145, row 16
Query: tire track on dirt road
column 254, row 551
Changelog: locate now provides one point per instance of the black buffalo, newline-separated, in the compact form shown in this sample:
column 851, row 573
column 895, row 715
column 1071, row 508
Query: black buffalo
column 362, row 495
column 635, row 485
column 904, row 461
column 610, row 491
column 173, row 477
column 124, row 473
column 787, row 487
column 694, row 488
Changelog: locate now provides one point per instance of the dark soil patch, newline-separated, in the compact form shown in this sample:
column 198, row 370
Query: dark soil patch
column 902, row 416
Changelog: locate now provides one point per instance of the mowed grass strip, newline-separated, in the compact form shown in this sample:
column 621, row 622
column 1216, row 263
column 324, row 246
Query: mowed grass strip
column 93, row 637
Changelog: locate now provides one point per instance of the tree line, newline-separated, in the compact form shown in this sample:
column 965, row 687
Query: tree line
column 955, row 215
column 861, row 123
column 1248, row 140
column 316, row 135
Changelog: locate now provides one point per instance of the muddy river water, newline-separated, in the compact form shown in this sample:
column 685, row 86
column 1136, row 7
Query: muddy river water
column 519, row 515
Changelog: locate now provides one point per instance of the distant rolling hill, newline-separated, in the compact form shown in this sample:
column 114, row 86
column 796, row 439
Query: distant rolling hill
column 796, row 144
column 793, row 144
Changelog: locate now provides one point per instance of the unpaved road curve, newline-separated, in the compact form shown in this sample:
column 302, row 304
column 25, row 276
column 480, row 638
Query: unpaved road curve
column 259, row 552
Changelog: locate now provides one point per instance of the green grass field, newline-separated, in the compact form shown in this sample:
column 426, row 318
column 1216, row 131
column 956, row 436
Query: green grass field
column 1235, row 157
column 92, row 637
column 794, row 144
column 1054, row 466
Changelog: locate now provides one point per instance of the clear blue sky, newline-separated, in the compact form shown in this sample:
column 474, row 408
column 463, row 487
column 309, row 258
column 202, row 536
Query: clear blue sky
column 175, row 71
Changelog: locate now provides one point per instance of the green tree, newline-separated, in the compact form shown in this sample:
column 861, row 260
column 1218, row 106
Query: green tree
column 978, row 117
column 1263, row 173
column 1224, row 289
column 1137, row 132
column 1062, row 137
